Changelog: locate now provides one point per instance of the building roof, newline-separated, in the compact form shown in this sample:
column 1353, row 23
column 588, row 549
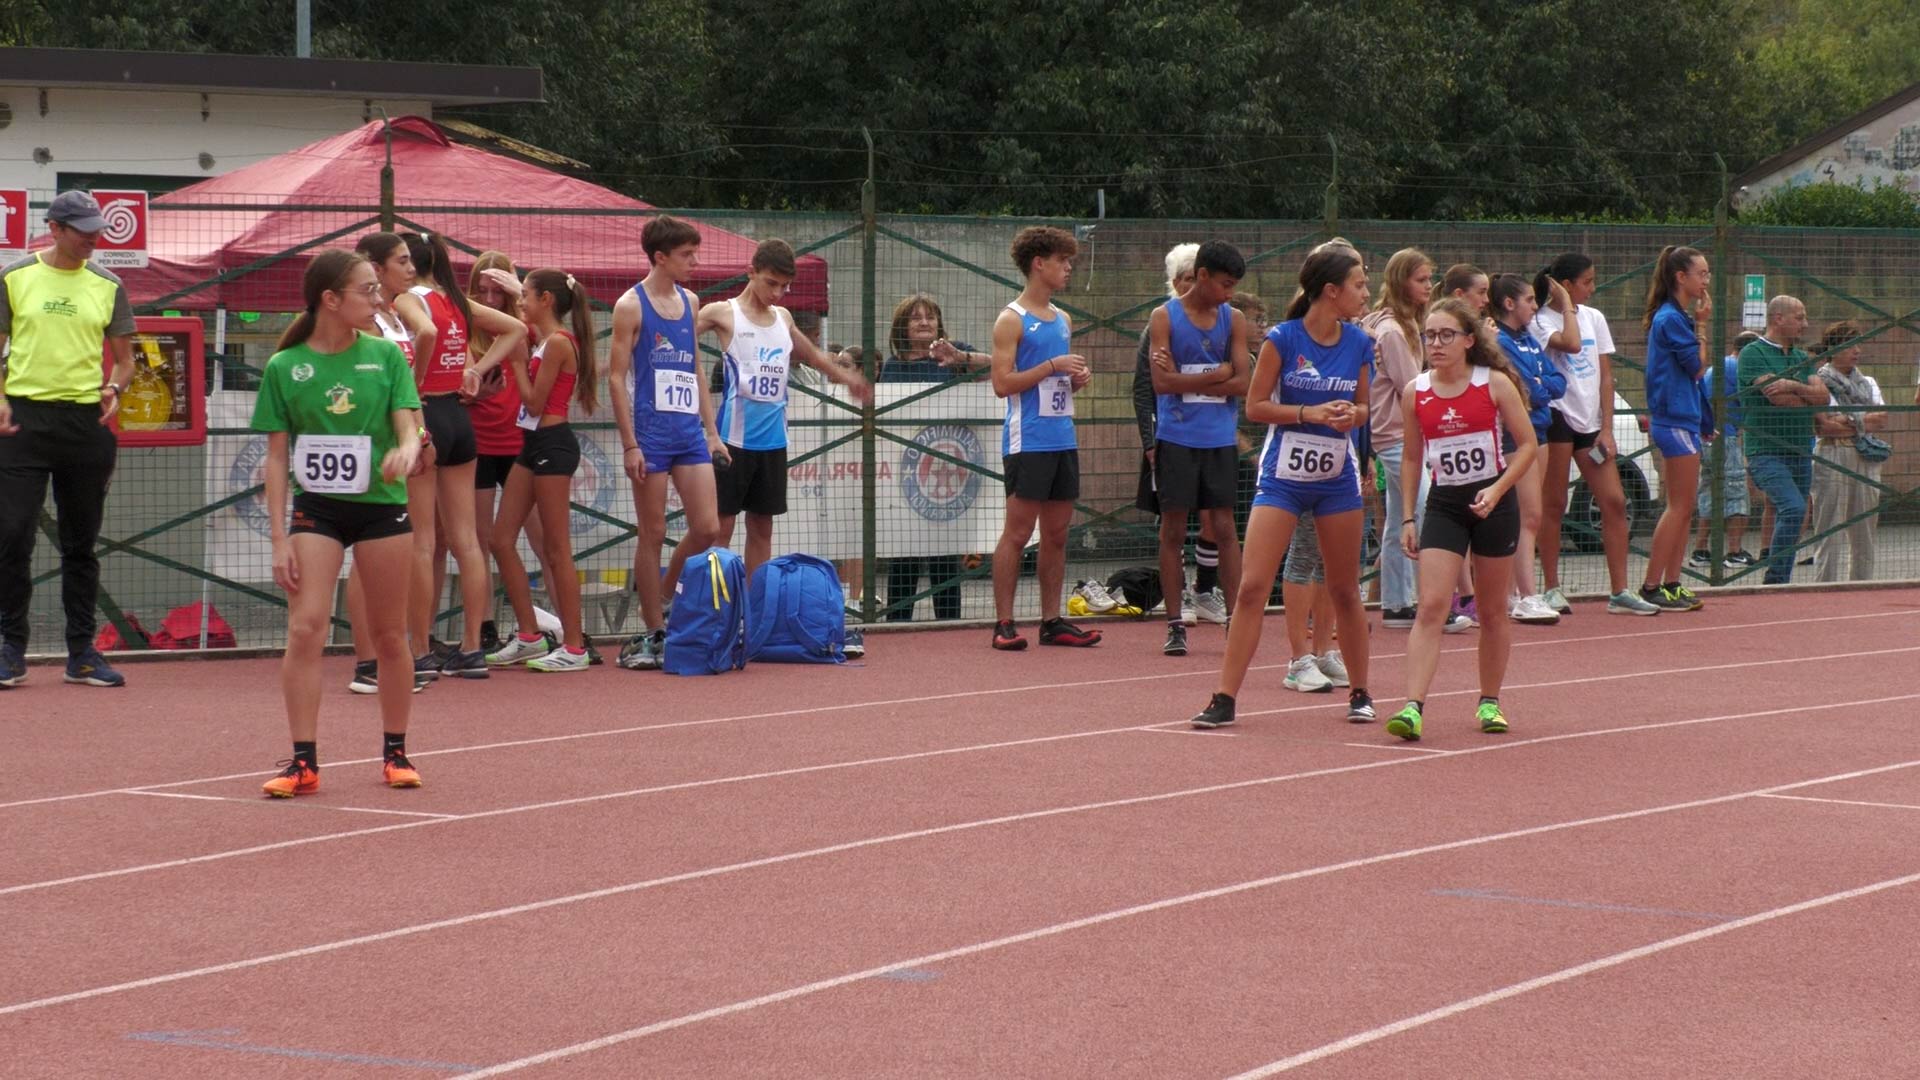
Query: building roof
column 1815, row 142
column 467, row 133
column 112, row 69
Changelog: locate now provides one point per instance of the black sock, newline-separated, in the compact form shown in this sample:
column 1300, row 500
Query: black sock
column 305, row 751
column 1206, row 558
column 1485, row 700
column 1649, row 590
column 396, row 744
column 1673, row 585
column 1465, row 599
column 1358, row 691
column 1420, row 705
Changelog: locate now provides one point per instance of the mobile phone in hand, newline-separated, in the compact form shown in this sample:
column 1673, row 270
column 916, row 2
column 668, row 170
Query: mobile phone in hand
column 1597, row 453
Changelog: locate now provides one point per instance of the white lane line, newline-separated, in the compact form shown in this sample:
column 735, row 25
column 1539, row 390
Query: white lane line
column 281, row 845
column 735, row 1008
column 1630, row 675
column 967, row 826
column 895, row 702
column 1849, row 802
column 1162, row 730
column 1493, row 997
column 1408, row 747
column 685, row 785
column 305, row 804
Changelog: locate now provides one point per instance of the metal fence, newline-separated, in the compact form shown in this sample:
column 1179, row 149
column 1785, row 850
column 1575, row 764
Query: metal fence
column 904, row 495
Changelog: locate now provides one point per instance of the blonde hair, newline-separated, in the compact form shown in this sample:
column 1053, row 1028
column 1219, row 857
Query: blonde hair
column 1393, row 298
column 478, row 340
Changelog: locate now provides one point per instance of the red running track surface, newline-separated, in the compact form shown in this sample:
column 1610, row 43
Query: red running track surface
column 1686, row 860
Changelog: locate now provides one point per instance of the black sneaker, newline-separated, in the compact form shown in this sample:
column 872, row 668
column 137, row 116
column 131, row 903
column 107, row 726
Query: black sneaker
column 440, row 649
column 1007, row 637
column 426, row 666
column 1660, row 598
column 1397, row 618
column 855, row 645
column 1217, row 714
column 13, row 665
column 1737, row 559
column 489, row 637
column 89, row 668
column 1359, row 707
column 1176, row 640
column 1700, row 559
column 465, row 665
column 366, row 678
column 1058, row 631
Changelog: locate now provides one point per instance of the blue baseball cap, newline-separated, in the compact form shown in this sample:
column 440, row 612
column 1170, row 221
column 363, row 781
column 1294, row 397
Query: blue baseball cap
column 77, row 210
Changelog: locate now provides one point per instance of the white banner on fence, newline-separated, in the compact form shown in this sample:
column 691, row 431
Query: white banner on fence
column 924, row 505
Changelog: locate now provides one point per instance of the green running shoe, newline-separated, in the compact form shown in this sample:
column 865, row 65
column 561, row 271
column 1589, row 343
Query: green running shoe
column 1406, row 723
column 1492, row 720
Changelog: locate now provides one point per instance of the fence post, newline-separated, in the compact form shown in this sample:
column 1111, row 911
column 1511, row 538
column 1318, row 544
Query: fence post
column 870, row 358
column 1331, row 207
column 386, row 177
column 1717, row 337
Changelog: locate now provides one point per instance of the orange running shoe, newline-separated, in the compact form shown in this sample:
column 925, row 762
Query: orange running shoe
column 400, row 772
column 296, row 778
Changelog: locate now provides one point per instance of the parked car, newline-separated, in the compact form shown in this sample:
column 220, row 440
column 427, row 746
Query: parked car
column 1639, row 479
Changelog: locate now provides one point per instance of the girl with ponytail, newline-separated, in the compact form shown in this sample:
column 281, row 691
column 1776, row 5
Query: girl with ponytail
column 337, row 404
column 1678, row 310
column 1580, row 427
column 561, row 370
column 446, row 374
column 1310, row 387
column 1456, row 412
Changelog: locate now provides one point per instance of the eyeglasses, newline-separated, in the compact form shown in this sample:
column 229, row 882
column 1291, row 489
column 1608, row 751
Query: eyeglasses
column 369, row 290
column 1443, row 337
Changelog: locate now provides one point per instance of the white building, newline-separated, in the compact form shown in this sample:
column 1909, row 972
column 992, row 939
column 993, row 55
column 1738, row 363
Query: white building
column 84, row 118
column 1880, row 144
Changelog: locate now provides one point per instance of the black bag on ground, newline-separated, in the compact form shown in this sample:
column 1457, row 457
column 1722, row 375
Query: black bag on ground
column 1137, row 585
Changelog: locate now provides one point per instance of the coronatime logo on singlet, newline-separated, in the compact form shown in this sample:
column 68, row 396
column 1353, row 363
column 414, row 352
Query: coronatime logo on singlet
column 367, row 367
column 1305, row 376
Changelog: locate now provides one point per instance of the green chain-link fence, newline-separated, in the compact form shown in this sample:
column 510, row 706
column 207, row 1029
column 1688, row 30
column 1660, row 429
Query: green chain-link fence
column 905, row 497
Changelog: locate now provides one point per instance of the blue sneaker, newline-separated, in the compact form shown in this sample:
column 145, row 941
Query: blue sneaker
column 90, row 669
column 13, row 666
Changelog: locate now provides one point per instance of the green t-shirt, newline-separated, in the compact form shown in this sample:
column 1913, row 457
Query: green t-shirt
column 1779, row 430
column 343, row 394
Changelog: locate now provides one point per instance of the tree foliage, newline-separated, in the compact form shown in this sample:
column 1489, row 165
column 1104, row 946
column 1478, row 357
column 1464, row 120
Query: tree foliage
column 1199, row 108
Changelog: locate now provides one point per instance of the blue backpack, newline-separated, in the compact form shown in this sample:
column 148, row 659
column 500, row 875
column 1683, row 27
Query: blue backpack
column 707, row 631
column 797, row 613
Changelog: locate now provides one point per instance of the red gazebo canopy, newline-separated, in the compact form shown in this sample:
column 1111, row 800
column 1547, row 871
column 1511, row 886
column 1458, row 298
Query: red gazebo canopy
column 259, row 223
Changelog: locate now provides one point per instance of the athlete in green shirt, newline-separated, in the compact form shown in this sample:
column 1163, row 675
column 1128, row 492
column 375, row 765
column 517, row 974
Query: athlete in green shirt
column 337, row 403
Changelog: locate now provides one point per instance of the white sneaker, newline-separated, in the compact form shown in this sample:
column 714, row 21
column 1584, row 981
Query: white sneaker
column 1189, row 608
column 1334, row 668
column 1456, row 623
column 1557, row 600
column 1534, row 610
column 517, row 651
column 1304, row 675
column 561, row 659
column 1210, row 606
column 1099, row 600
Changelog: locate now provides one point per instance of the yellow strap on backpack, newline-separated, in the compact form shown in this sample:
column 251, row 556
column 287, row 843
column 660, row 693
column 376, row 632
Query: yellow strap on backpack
column 719, row 581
